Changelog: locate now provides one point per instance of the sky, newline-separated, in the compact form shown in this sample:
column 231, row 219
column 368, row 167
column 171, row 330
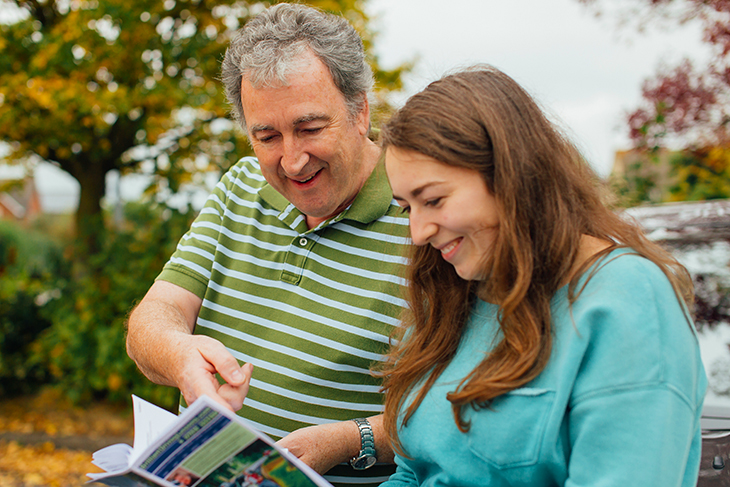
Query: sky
column 585, row 71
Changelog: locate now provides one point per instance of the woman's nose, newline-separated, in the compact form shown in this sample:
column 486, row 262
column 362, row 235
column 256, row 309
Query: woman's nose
column 422, row 229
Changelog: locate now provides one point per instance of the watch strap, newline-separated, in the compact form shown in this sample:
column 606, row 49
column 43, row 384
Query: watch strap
column 367, row 457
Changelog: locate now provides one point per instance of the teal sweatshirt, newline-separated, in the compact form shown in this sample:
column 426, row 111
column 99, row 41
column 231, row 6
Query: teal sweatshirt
column 618, row 404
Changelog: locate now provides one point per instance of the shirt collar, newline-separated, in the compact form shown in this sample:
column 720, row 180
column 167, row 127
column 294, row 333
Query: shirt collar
column 371, row 202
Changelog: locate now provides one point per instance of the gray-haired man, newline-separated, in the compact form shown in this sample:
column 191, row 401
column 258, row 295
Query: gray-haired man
column 295, row 263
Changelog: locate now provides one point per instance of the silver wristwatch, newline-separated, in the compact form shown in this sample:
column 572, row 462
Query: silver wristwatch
column 366, row 458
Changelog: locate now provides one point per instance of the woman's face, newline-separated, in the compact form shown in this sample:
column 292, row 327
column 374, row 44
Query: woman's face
column 449, row 207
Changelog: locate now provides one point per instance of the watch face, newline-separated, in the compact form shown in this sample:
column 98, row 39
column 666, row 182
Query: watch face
column 363, row 462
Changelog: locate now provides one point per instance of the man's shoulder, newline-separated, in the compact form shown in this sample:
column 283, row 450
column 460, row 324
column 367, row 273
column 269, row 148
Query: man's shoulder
column 242, row 191
column 242, row 181
column 247, row 170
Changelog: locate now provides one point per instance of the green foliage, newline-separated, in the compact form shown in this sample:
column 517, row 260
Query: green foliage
column 70, row 332
column 27, row 251
column 687, row 175
column 21, row 321
column 632, row 188
column 640, row 180
column 97, row 86
column 30, row 266
column 84, row 349
column 119, row 85
column 701, row 174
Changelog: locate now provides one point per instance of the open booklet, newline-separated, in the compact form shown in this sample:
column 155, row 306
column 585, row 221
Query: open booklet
column 205, row 446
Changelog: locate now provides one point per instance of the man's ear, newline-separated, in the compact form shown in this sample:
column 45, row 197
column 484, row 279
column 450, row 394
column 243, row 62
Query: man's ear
column 362, row 120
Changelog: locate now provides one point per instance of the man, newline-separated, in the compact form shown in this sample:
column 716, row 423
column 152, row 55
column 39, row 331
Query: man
column 294, row 265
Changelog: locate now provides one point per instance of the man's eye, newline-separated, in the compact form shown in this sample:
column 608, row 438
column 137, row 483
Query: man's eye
column 404, row 210
column 266, row 138
column 433, row 202
column 315, row 130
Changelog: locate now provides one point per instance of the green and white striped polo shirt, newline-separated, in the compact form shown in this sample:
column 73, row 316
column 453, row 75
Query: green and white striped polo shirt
column 311, row 309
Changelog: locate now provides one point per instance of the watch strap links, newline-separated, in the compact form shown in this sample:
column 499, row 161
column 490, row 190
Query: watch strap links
column 367, row 457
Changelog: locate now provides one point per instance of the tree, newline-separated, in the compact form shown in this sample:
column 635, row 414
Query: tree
column 127, row 85
column 702, row 174
column 686, row 105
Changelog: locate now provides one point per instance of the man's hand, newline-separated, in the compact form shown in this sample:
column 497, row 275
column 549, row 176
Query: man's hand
column 160, row 341
column 205, row 358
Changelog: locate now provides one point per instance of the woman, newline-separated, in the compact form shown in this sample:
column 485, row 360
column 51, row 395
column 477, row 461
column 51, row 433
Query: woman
column 547, row 341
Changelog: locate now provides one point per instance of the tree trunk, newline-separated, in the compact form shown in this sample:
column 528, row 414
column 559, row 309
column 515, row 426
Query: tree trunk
column 89, row 216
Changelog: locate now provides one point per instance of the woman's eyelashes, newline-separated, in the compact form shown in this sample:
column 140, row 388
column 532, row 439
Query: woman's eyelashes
column 433, row 201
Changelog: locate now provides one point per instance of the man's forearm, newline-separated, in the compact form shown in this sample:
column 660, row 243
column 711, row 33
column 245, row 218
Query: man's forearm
column 326, row 445
column 153, row 335
column 159, row 329
column 161, row 342
column 154, row 330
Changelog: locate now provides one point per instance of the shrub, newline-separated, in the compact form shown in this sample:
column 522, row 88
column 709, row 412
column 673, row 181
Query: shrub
column 83, row 349
column 31, row 270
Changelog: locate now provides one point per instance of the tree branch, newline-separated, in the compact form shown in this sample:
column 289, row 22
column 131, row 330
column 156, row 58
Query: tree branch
column 45, row 13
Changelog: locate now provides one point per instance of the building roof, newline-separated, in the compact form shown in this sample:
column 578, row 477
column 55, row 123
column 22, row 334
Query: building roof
column 19, row 199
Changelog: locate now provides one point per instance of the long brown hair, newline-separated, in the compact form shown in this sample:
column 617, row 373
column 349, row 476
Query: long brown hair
column 547, row 199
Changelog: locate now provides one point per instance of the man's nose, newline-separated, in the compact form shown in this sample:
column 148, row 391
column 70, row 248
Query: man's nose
column 422, row 229
column 294, row 158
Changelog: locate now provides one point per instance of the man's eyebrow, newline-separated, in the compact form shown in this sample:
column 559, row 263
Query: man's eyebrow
column 305, row 119
column 314, row 117
column 259, row 128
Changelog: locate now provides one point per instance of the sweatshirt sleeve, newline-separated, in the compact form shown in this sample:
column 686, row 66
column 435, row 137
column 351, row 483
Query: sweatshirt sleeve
column 635, row 406
column 403, row 476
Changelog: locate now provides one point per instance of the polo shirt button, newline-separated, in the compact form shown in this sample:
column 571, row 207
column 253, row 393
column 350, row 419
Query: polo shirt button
column 302, row 241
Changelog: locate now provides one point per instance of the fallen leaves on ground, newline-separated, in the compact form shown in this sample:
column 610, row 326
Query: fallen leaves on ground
column 50, row 413
column 31, row 465
column 43, row 465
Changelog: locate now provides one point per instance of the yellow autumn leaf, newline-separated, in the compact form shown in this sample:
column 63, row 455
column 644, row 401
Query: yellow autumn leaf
column 114, row 382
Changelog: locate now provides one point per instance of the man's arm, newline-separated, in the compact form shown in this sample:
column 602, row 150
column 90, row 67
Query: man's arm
column 324, row 446
column 161, row 342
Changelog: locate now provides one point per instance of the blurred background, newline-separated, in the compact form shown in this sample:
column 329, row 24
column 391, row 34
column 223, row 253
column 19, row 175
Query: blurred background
column 114, row 128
